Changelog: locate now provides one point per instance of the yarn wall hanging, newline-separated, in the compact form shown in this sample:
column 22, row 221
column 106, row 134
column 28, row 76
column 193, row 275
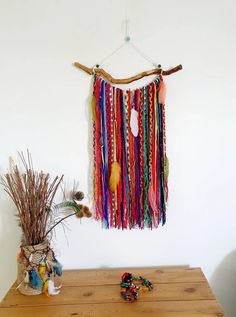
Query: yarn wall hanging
column 130, row 162
column 129, row 148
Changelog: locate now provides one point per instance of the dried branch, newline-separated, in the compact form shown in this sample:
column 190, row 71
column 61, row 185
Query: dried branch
column 33, row 195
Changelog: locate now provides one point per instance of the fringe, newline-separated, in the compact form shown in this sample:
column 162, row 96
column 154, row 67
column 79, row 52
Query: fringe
column 138, row 198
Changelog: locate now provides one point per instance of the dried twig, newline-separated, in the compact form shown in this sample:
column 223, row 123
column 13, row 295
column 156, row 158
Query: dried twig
column 33, row 195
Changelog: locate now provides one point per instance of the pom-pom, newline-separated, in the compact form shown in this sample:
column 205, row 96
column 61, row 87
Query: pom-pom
column 78, row 196
column 87, row 212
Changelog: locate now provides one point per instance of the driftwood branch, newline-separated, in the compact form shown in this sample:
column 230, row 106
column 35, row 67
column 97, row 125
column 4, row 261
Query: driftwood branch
column 101, row 71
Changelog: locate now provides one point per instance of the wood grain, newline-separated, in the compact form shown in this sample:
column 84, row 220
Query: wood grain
column 178, row 292
column 112, row 276
column 203, row 308
column 110, row 294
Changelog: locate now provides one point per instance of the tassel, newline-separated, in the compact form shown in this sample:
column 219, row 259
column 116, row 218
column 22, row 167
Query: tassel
column 134, row 122
column 42, row 269
column 45, row 286
column 54, row 266
column 115, row 176
column 26, row 279
column 35, row 280
column 57, row 268
column 52, row 290
column 162, row 92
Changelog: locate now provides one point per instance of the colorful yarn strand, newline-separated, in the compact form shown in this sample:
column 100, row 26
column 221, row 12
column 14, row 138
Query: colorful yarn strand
column 130, row 162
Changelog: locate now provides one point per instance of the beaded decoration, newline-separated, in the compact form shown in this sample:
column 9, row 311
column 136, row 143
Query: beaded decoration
column 129, row 291
column 130, row 162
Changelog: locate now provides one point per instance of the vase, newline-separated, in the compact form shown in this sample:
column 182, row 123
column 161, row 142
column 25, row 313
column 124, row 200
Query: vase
column 37, row 268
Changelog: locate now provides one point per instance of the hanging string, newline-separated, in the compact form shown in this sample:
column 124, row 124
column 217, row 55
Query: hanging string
column 127, row 41
column 144, row 55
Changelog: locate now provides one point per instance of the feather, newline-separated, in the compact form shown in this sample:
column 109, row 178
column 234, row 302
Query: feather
column 134, row 122
column 51, row 288
column 35, row 280
column 152, row 199
column 115, row 176
column 162, row 92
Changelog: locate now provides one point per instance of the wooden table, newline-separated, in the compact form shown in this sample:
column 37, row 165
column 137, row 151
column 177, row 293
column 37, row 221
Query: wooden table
column 178, row 292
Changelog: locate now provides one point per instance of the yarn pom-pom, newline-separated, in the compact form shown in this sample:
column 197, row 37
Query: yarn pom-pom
column 115, row 176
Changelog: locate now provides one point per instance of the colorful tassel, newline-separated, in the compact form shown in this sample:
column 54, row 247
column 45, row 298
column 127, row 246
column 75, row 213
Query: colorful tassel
column 57, row 268
column 42, row 270
column 35, row 280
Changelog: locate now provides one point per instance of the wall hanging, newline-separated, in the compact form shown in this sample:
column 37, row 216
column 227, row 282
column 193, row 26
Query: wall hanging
column 129, row 140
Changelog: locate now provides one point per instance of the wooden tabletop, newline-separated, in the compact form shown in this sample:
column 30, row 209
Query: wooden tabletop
column 178, row 292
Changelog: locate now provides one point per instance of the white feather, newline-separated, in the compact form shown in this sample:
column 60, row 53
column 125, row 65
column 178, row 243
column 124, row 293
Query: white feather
column 51, row 288
column 134, row 122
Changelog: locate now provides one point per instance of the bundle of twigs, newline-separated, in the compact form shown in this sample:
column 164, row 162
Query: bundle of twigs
column 33, row 195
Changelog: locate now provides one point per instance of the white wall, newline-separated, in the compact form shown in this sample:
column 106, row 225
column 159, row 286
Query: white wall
column 44, row 107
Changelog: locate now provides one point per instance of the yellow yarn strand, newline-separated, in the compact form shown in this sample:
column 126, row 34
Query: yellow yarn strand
column 115, row 176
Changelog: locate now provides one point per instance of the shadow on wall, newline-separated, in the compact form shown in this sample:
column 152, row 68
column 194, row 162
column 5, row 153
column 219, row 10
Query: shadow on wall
column 223, row 282
column 9, row 243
